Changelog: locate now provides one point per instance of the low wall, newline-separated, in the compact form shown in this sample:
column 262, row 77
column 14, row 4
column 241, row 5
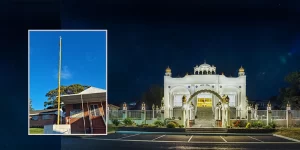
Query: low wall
column 278, row 122
column 151, row 129
column 250, row 130
column 57, row 129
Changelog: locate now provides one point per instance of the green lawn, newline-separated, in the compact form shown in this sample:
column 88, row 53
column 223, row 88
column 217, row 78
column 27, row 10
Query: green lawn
column 36, row 130
column 289, row 132
column 111, row 128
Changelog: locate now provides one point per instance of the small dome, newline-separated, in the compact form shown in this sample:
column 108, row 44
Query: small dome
column 168, row 70
column 241, row 69
column 205, row 65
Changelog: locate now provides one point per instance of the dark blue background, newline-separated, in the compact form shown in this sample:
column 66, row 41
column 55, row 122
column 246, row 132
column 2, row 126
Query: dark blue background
column 142, row 40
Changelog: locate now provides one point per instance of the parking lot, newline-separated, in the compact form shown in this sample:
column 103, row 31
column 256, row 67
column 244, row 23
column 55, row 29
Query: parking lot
column 192, row 138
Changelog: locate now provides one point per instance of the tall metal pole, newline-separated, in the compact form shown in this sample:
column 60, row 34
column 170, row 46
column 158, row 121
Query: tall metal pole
column 59, row 69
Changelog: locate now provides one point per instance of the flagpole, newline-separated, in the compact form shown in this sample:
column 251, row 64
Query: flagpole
column 59, row 70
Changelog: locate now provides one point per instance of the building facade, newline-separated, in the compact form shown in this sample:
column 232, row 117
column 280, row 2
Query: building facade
column 204, row 93
column 86, row 111
column 40, row 118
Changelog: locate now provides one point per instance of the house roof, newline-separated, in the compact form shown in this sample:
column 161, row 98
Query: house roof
column 37, row 112
column 92, row 94
column 92, row 90
column 111, row 105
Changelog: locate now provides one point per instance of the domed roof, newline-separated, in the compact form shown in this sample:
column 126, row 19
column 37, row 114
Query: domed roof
column 241, row 69
column 205, row 65
column 168, row 70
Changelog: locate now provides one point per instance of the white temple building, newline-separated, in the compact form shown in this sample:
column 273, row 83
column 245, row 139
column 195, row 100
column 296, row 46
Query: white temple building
column 205, row 92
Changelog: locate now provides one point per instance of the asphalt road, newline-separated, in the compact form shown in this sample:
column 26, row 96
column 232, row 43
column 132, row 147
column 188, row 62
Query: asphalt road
column 149, row 141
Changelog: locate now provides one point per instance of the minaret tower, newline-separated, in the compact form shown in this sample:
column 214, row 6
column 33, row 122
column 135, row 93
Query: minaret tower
column 241, row 71
column 168, row 72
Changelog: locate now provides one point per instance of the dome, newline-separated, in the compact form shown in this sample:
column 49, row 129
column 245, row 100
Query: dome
column 204, row 65
column 168, row 70
column 241, row 69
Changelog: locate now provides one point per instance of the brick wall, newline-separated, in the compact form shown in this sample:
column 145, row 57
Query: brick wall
column 40, row 122
column 77, row 124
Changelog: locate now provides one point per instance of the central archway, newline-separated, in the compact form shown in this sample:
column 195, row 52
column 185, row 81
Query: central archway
column 208, row 121
column 207, row 91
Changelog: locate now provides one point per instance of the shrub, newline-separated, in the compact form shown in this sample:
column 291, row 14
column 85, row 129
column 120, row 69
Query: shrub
column 181, row 126
column 116, row 122
column 158, row 123
column 273, row 125
column 239, row 123
column 243, row 123
column 179, row 118
column 267, row 127
column 248, row 126
column 176, row 124
column 166, row 121
column 257, row 124
column 173, row 118
column 236, row 123
column 171, row 125
column 128, row 122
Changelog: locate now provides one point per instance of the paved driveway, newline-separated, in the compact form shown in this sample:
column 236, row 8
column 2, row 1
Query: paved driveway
column 162, row 141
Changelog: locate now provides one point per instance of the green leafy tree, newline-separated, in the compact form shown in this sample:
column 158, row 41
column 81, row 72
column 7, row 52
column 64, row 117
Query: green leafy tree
column 30, row 104
column 291, row 93
column 152, row 96
column 65, row 90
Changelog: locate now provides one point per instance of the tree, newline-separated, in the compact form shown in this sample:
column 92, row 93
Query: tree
column 65, row 90
column 152, row 96
column 291, row 93
column 30, row 104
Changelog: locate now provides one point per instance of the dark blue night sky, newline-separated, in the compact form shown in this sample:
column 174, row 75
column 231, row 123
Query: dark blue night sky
column 264, row 38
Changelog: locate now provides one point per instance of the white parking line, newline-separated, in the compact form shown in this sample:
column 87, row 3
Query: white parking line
column 128, row 136
column 158, row 137
column 223, row 139
column 287, row 138
column 124, row 140
column 190, row 138
column 255, row 139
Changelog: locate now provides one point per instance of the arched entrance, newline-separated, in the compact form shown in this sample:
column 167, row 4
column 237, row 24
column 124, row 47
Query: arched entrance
column 207, row 112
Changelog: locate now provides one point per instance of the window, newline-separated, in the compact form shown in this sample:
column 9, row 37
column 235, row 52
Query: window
column 178, row 101
column 35, row 118
column 46, row 117
column 94, row 110
column 76, row 113
column 76, row 106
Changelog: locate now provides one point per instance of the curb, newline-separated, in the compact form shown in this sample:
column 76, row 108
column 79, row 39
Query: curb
column 185, row 133
column 287, row 138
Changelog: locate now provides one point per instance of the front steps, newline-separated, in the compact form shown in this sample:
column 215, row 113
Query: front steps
column 206, row 130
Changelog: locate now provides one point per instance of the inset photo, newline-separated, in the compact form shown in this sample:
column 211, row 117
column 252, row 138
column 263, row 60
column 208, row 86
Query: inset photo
column 67, row 82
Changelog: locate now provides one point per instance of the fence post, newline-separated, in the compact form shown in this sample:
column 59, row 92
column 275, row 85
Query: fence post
column 288, row 115
column 162, row 109
column 249, row 113
column 157, row 110
column 269, row 114
column 255, row 112
column 153, row 108
column 143, row 117
column 124, row 111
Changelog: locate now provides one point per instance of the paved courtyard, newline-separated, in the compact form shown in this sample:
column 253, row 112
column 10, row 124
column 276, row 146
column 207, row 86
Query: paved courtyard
column 158, row 141
column 190, row 138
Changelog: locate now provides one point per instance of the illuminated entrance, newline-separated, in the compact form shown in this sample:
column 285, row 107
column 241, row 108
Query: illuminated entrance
column 204, row 102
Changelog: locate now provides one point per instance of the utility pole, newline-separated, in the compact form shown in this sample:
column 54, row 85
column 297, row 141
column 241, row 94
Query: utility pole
column 59, row 70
